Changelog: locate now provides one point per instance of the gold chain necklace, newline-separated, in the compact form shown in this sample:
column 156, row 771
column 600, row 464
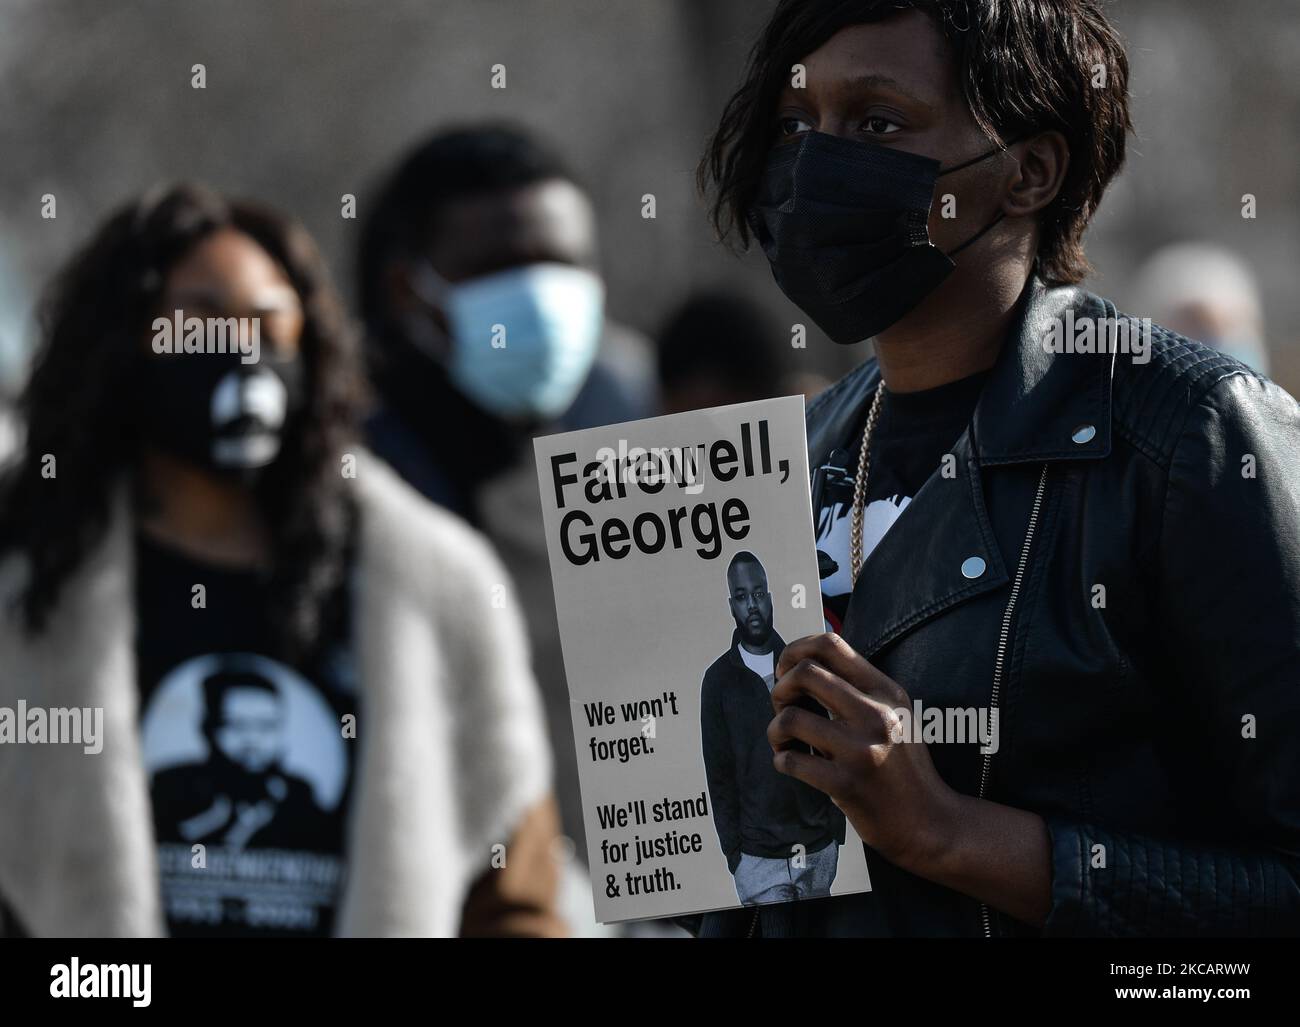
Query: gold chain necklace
column 860, row 486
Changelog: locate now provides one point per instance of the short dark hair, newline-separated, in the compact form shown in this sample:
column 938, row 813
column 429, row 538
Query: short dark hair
column 1025, row 66
column 725, row 335
column 745, row 558
column 452, row 165
column 226, row 679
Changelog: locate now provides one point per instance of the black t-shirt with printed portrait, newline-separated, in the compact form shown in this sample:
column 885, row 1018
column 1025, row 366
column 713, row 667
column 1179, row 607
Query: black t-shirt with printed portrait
column 913, row 433
column 249, row 756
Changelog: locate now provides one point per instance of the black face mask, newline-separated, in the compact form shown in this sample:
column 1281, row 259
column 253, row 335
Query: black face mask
column 845, row 225
column 218, row 412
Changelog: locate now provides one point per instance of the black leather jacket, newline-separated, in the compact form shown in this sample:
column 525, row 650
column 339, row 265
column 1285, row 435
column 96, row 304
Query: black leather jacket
column 1149, row 680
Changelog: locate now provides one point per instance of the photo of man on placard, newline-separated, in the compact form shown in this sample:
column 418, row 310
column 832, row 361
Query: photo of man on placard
column 781, row 837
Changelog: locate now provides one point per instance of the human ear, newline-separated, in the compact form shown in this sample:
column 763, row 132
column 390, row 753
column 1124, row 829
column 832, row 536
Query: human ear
column 1036, row 177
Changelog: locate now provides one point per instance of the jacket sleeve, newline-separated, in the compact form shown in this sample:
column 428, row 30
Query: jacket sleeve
column 720, row 769
column 1227, row 621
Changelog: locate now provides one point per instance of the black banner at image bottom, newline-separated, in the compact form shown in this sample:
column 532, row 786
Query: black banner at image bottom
column 593, row 978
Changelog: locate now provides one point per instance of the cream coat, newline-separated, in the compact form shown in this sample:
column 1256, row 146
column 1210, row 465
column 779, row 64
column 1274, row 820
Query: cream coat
column 452, row 743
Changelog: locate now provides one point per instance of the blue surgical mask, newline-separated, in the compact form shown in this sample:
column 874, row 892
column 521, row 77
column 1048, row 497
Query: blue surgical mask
column 522, row 340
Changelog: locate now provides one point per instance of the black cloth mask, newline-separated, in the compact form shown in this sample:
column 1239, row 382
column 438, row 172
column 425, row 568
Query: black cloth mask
column 218, row 412
column 845, row 226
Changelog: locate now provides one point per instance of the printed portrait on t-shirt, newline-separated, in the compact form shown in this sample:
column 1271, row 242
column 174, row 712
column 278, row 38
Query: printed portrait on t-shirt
column 265, row 756
column 248, row 768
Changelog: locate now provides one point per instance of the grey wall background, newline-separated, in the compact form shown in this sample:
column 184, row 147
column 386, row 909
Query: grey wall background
column 310, row 99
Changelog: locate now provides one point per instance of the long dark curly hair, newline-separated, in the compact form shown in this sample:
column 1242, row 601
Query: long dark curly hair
column 78, row 407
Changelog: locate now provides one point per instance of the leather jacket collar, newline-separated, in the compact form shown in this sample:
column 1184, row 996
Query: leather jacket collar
column 1033, row 403
column 1030, row 412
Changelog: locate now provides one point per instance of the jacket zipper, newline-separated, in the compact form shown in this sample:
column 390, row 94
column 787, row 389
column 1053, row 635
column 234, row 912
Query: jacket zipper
column 1003, row 639
column 753, row 925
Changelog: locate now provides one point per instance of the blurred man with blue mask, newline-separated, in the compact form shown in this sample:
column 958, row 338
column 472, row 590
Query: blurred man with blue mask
column 522, row 340
column 485, row 325
column 484, row 313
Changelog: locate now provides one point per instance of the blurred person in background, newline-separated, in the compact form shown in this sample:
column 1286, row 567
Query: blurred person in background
column 485, row 314
column 296, row 657
column 485, row 321
column 1207, row 293
column 716, row 349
